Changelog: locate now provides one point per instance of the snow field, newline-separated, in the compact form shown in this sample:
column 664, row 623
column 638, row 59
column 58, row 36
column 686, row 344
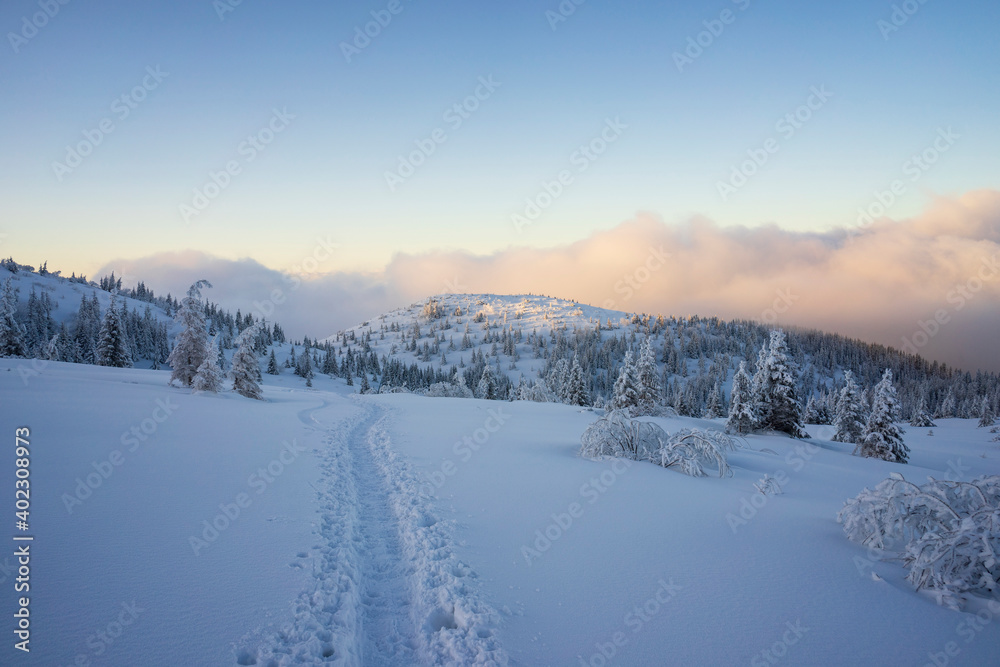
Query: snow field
column 387, row 529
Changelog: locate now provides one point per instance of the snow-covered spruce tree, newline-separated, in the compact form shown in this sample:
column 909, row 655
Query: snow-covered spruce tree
column 648, row 380
column 576, row 389
column 811, row 415
column 487, row 387
column 713, row 409
column 849, row 422
column 245, row 367
column 304, row 368
column 921, row 418
column 112, row 343
column 272, row 365
column 12, row 332
column 779, row 408
column 191, row 344
column 986, row 416
column 209, row 376
column 626, row 390
column 947, row 407
column 741, row 415
column 758, row 396
column 882, row 438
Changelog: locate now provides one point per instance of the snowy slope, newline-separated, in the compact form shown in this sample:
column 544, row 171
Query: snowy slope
column 400, row 529
column 66, row 294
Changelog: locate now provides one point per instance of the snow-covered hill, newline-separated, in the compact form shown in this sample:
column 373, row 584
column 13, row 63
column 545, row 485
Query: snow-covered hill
column 523, row 338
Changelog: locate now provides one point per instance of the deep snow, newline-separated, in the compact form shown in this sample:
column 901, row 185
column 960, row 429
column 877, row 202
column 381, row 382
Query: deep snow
column 400, row 529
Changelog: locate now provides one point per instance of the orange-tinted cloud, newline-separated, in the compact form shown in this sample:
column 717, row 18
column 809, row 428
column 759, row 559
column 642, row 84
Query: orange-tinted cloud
column 879, row 283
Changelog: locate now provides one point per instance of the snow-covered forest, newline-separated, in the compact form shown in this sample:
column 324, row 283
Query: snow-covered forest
column 497, row 347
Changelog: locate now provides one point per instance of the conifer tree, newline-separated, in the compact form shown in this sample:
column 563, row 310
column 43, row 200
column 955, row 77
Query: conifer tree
column 191, row 344
column 986, row 416
column 272, row 365
column 576, row 389
column 947, row 407
column 209, row 376
column 758, row 397
column 849, row 422
column 921, row 418
column 245, row 368
column 626, row 390
column 713, row 409
column 648, row 380
column 487, row 387
column 112, row 346
column 780, row 409
column 882, row 438
column 741, row 414
column 12, row 332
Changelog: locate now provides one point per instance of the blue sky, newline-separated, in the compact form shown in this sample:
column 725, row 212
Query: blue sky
column 325, row 172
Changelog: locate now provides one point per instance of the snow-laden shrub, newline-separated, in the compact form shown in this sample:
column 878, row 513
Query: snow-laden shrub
column 950, row 532
column 432, row 310
column 538, row 392
column 615, row 434
column 448, row 390
column 689, row 450
column 692, row 450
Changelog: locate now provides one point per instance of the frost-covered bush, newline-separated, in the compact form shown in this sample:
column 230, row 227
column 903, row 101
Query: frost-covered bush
column 538, row 392
column 951, row 532
column 433, row 310
column 692, row 450
column 689, row 450
column 616, row 434
column 447, row 390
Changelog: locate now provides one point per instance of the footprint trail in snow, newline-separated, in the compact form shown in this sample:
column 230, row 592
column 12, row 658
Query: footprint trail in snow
column 388, row 587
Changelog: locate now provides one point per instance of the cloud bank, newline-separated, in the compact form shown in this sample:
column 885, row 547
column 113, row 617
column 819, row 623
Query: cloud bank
column 930, row 284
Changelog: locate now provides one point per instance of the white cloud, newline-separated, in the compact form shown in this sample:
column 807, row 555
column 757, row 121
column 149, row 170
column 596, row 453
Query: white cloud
column 877, row 284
